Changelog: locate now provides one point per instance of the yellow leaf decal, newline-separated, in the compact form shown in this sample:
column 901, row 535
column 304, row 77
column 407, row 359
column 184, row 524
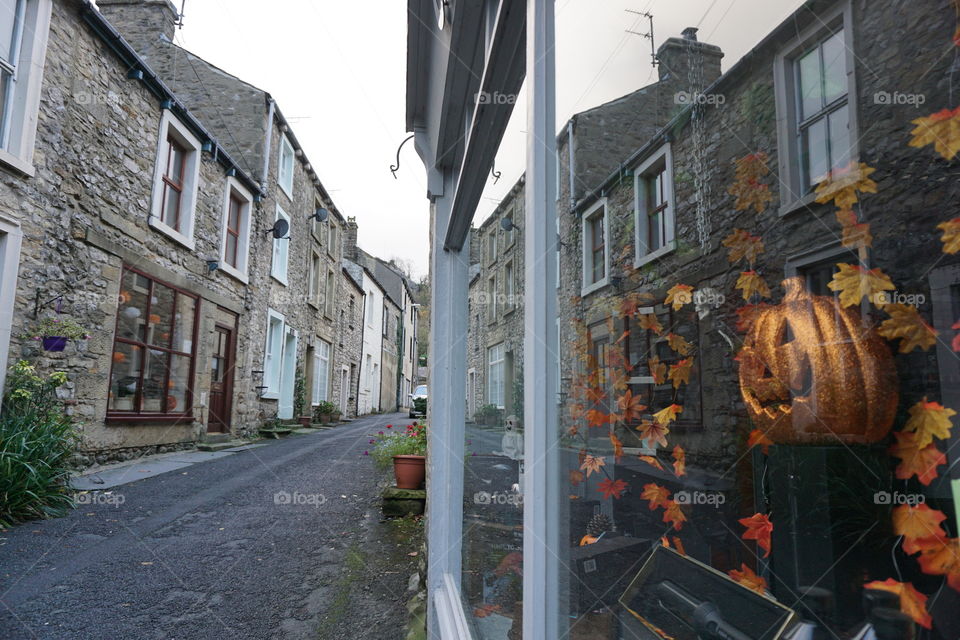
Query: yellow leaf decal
column 591, row 464
column 747, row 187
column 751, row 283
column 905, row 322
column 650, row 322
column 842, row 185
column 929, row 420
column 679, row 344
column 951, row 235
column 679, row 295
column 680, row 372
column 743, row 245
column 658, row 370
column 941, row 129
column 854, row 282
column 668, row 415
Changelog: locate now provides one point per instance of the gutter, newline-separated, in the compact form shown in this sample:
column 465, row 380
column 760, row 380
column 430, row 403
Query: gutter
column 268, row 141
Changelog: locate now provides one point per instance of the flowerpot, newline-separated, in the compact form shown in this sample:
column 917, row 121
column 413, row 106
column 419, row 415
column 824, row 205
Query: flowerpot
column 409, row 471
column 306, row 420
column 54, row 343
column 324, row 418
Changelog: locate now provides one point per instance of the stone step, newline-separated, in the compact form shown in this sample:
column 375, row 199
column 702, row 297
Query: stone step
column 403, row 502
column 216, row 437
column 275, row 432
column 221, row 445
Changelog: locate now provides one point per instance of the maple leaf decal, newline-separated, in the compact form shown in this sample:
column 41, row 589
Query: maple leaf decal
column 855, row 234
column 668, row 415
column 679, row 344
column 650, row 322
column 749, row 579
column 941, row 129
column 905, row 322
column 751, row 283
column 743, row 245
column 596, row 418
column 656, row 495
column 630, row 407
column 612, row 488
column 674, row 515
column 758, row 437
column 679, row 461
column 941, row 557
column 842, row 185
column 759, row 528
column 679, row 295
column 650, row 460
column 747, row 187
column 918, row 522
column 914, row 460
column 592, row 464
column 576, row 477
column 854, row 282
column 929, row 420
column 747, row 315
column 951, row 235
column 658, row 370
column 680, row 372
column 912, row 602
column 654, row 432
column 617, row 447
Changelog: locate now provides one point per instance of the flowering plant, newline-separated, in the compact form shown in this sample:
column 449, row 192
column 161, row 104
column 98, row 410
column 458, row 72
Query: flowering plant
column 56, row 326
column 410, row 442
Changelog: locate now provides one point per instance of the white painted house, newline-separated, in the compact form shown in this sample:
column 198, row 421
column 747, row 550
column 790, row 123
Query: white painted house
column 371, row 352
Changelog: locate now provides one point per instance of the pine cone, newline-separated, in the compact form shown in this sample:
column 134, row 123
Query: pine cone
column 599, row 524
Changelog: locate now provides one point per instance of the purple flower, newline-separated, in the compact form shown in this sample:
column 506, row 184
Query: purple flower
column 373, row 442
column 366, row 453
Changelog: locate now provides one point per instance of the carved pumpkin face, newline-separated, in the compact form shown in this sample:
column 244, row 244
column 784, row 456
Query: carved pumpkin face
column 811, row 372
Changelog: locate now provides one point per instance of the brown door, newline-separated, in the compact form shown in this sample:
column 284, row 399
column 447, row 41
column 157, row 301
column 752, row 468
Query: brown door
column 221, row 380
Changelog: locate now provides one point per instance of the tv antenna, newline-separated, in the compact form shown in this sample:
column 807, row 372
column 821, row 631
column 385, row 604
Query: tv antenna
column 648, row 35
column 179, row 22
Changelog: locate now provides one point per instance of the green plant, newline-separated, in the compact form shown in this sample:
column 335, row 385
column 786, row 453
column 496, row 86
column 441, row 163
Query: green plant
column 420, row 406
column 56, row 326
column 488, row 413
column 299, row 393
column 325, row 408
column 410, row 442
column 36, row 440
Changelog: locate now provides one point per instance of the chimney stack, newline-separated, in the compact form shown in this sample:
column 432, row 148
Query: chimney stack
column 350, row 239
column 141, row 22
column 678, row 59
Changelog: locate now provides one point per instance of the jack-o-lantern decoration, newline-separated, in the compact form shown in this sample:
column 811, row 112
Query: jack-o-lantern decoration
column 813, row 372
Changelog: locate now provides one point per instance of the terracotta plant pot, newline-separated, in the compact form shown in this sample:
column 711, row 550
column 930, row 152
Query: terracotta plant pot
column 410, row 471
column 324, row 417
column 306, row 420
column 54, row 343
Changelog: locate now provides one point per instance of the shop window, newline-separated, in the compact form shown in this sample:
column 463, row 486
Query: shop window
column 153, row 350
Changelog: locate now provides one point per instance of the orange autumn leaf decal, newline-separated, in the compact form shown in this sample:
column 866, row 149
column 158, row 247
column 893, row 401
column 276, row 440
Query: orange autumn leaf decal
column 630, row 407
column 914, row 460
column 576, row 477
column 650, row 460
column 955, row 345
column 749, row 579
column 658, row 370
column 751, row 283
column 747, row 315
column 941, row 557
column 912, row 602
column 758, row 437
column 679, row 461
column 656, row 495
column 592, row 464
column 941, row 129
column 855, row 234
column 617, row 446
column 854, row 282
column 595, row 394
column 951, row 235
column 613, row 488
column 650, row 322
column 668, row 415
column 918, row 522
column 759, row 528
column 680, row 372
column 679, row 295
column 743, row 245
column 672, row 514
column 597, row 418
column 842, row 185
column 906, row 323
column 679, row 344
column 654, row 432
column 929, row 420
column 747, row 187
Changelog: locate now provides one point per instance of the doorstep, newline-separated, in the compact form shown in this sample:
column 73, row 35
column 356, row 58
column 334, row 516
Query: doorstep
column 220, row 445
column 403, row 502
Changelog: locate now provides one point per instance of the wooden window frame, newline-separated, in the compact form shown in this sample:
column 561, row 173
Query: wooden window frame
column 171, row 184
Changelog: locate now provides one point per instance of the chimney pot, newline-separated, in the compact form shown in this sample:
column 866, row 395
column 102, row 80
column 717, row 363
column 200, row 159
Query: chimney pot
column 690, row 33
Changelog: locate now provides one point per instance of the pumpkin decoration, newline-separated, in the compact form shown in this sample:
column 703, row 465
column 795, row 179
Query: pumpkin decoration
column 811, row 372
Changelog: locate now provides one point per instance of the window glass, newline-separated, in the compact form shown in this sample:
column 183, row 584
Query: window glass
column 834, row 68
column 281, row 247
column 285, row 170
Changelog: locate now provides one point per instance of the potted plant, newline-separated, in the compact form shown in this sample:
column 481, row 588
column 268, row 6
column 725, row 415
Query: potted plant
column 488, row 415
column 406, row 450
column 54, row 332
column 323, row 411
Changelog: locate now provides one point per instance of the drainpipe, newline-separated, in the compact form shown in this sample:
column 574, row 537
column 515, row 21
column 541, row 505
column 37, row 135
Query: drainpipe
column 271, row 109
column 572, row 157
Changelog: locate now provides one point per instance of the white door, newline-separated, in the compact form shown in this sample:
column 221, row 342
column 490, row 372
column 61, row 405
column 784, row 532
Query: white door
column 288, row 371
column 344, row 390
column 471, row 394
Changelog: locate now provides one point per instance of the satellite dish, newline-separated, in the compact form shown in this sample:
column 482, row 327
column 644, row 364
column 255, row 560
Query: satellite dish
column 279, row 229
column 507, row 224
column 320, row 215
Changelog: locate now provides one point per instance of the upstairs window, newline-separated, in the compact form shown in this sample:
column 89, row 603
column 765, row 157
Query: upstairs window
column 595, row 255
column 654, row 223
column 235, row 241
column 492, row 247
column 176, row 177
column 330, row 293
column 316, row 278
column 281, row 248
column 333, row 240
column 285, row 166
column 273, row 354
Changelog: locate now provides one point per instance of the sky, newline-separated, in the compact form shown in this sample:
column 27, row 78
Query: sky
column 337, row 70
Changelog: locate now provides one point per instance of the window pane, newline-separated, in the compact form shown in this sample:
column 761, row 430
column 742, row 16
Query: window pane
column 814, row 151
column 655, row 223
column 834, row 68
column 810, row 84
column 230, row 252
column 171, row 206
column 159, row 322
column 183, row 324
column 125, row 378
column 131, row 316
column 840, row 137
column 8, row 19
column 175, row 167
column 176, row 400
column 155, row 381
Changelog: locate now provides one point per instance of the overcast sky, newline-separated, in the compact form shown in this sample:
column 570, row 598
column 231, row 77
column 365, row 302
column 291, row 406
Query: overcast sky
column 337, row 70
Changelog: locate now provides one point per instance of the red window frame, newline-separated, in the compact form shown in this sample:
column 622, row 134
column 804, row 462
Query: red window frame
column 598, row 243
column 137, row 415
column 174, row 183
column 233, row 230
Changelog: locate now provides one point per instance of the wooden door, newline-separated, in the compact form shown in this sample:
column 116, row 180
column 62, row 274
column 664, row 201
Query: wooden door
column 221, row 380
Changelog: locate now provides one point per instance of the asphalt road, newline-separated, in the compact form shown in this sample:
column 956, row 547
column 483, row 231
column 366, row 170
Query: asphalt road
column 218, row 550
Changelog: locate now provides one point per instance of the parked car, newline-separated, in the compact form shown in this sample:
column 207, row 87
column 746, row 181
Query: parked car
column 418, row 406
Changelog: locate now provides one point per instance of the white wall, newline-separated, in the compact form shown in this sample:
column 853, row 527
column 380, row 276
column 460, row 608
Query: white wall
column 371, row 352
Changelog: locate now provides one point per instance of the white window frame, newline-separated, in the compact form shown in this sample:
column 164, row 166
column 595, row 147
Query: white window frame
column 586, row 243
column 11, row 237
column 321, row 372
column 280, row 271
column 273, row 355
column 500, row 352
column 170, row 126
column 333, row 245
column 286, row 172
column 792, row 196
column 234, row 187
column 316, row 278
column 641, row 219
column 18, row 128
column 330, row 292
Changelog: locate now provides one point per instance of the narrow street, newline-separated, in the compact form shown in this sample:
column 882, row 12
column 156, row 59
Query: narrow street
column 212, row 551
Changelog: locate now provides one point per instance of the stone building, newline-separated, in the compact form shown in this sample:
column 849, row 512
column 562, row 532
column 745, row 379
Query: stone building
column 495, row 311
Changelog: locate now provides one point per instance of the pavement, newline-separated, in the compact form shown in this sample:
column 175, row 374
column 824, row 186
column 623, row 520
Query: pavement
column 283, row 540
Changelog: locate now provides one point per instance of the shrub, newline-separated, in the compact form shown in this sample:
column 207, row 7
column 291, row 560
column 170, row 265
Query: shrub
column 410, row 442
column 324, row 408
column 36, row 440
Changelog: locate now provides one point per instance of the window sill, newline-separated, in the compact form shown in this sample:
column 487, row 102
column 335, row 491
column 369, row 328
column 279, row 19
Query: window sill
column 798, row 204
column 139, row 418
column 313, row 304
column 666, row 249
column 599, row 284
column 282, row 281
column 155, row 224
column 285, row 191
column 10, row 161
column 270, row 395
column 234, row 273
